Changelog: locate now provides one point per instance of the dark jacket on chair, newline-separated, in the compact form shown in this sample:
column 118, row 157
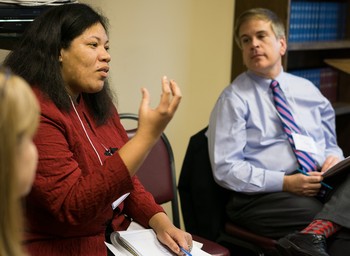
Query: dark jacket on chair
column 202, row 200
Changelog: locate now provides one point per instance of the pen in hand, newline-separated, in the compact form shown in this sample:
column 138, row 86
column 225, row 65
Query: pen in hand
column 322, row 183
column 185, row 251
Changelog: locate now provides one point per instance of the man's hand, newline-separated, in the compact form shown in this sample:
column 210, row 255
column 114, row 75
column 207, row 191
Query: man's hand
column 330, row 161
column 303, row 185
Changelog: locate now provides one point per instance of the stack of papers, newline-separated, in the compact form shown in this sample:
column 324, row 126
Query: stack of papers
column 144, row 242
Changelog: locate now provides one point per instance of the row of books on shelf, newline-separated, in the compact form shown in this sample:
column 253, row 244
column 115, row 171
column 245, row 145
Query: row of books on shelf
column 317, row 20
column 326, row 79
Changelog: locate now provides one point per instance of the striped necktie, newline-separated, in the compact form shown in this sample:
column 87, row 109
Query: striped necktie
column 304, row 158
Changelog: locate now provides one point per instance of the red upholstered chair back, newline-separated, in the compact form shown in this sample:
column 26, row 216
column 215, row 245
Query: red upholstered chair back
column 157, row 173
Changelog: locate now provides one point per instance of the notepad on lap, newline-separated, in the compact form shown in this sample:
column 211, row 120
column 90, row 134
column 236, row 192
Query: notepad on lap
column 144, row 243
column 340, row 167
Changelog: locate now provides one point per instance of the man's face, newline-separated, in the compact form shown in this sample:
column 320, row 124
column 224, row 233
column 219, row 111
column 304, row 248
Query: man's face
column 262, row 51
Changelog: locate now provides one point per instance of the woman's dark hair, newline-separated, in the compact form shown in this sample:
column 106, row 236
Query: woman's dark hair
column 36, row 57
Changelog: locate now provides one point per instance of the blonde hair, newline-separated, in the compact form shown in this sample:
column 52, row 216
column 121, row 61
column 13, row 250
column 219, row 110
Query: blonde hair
column 19, row 118
column 277, row 25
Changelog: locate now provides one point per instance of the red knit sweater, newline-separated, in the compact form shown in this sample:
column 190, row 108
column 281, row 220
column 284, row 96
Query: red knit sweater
column 70, row 203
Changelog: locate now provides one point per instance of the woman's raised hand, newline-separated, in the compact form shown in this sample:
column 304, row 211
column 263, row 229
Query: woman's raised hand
column 152, row 121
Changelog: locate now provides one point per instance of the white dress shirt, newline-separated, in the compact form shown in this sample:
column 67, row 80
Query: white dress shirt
column 249, row 151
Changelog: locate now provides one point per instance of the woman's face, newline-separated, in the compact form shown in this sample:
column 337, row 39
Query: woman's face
column 27, row 163
column 84, row 64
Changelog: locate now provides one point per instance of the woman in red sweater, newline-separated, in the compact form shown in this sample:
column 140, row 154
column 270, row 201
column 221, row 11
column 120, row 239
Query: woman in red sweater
column 85, row 159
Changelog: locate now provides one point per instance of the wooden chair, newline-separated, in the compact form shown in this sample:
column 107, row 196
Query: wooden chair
column 203, row 203
column 157, row 174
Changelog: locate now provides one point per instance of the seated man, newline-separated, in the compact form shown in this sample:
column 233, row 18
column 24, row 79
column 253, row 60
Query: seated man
column 271, row 136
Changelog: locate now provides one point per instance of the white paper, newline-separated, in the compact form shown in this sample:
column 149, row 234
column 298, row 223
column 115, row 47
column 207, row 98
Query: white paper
column 145, row 241
column 119, row 200
column 304, row 143
column 118, row 250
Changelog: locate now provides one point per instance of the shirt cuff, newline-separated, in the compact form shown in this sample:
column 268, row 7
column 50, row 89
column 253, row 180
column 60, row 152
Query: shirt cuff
column 274, row 181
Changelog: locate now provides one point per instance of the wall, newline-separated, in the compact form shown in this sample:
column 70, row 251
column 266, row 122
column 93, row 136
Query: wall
column 187, row 40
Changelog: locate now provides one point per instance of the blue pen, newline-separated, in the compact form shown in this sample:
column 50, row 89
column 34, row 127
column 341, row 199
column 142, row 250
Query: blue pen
column 305, row 173
column 185, row 251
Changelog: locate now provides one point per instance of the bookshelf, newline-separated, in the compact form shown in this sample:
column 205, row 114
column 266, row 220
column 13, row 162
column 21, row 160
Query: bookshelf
column 8, row 42
column 14, row 19
column 318, row 47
